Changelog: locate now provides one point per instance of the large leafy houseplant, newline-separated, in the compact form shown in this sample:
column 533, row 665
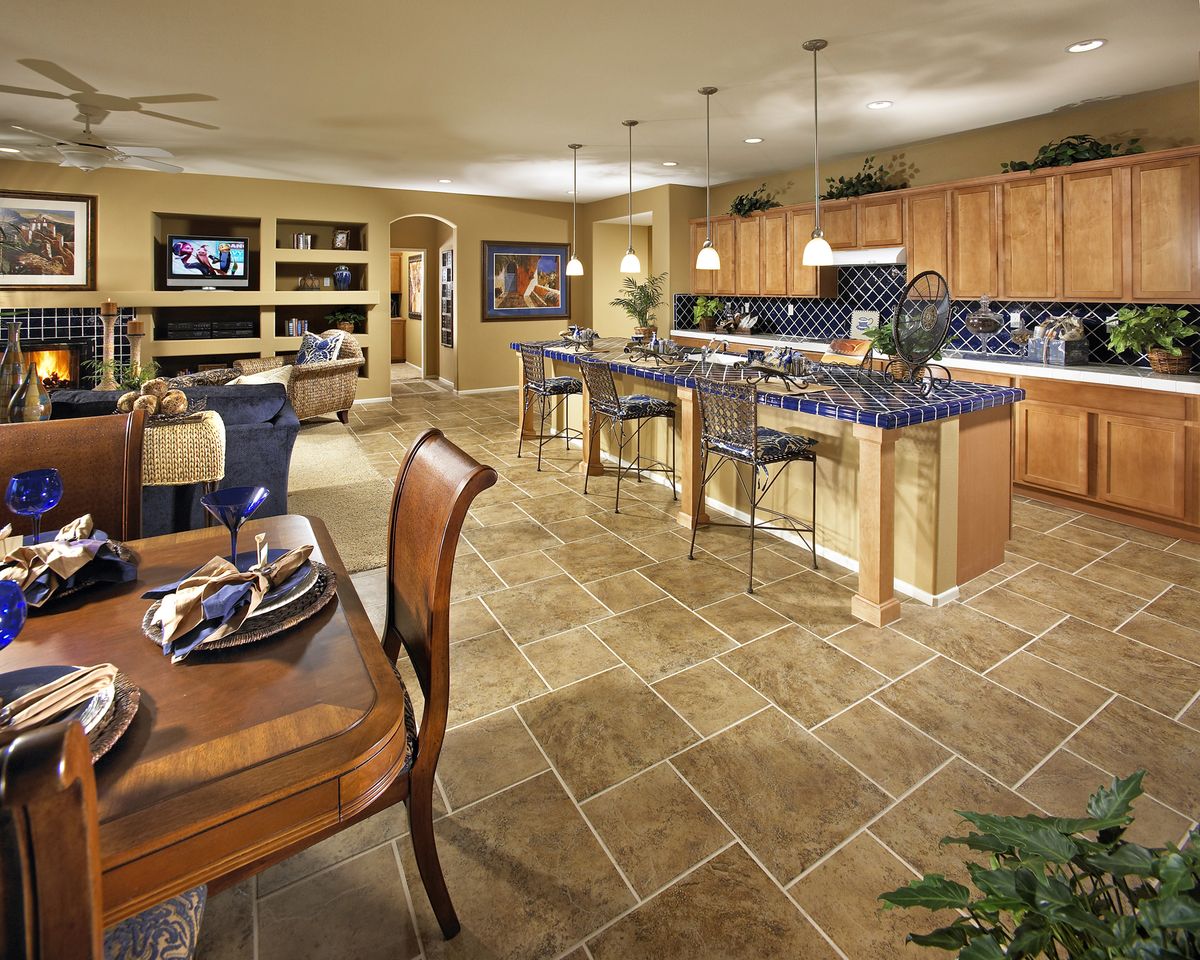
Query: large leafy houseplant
column 745, row 204
column 870, row 179
column 1074, row 149
column 707, row 309
column 640, row 300
column 1155, row 331
column 1066, row 889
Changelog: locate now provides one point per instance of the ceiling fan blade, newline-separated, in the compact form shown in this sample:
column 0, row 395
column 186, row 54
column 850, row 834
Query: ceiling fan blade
column 30, row 92
column 53, row 138
column 148, row 164
column 184, row 120
column 52, row 71
column 176, row 98
column 142, row 151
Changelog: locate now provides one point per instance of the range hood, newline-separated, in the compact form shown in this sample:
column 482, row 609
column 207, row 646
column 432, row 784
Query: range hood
column 870, row 256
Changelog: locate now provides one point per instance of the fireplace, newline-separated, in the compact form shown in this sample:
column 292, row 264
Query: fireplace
column 58, row 363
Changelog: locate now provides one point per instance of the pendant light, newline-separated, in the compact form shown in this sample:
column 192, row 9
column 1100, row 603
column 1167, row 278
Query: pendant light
column 817, row 252
column 708, row 258
column 574, row 265
column 630, row 262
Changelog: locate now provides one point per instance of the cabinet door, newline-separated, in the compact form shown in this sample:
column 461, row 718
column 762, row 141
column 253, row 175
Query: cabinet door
column 1141, row 464
column 396, row 258
column 724, row 236
column 881, row 222
column 1165, row 229
column 772, row 252
column 1029, row 251
column 749, row 241
column 1093, row 235
column 702, row 280
column 974, row 254
column 927, row 234
column 805, row 281
column 1052, row 447
column 397, row 340
column 838, row 220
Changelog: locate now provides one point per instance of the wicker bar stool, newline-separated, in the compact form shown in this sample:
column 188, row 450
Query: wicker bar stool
column 607, row 405
column 729, row 431
column 551, row 394
column 178, row 454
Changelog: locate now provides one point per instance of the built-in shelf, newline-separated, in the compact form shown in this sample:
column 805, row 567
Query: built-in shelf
column 332, row 257
column 234, row 298
column 187, row 348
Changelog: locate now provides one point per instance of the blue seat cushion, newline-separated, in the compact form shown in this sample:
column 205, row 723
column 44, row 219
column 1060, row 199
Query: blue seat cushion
column 168, row 931
column 557, row 386
column 773, row 446
column 314, row 349
column 639, row 406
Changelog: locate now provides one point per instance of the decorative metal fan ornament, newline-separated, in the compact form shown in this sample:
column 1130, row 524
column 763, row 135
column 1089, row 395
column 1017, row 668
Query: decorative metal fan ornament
column 920, row 328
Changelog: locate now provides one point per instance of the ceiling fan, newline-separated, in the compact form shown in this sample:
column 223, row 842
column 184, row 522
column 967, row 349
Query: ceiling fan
column 89, row 152
column 94, row 105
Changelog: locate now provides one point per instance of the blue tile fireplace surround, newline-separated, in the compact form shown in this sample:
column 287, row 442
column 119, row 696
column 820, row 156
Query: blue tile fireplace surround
column 62, row 324
column 879, row 287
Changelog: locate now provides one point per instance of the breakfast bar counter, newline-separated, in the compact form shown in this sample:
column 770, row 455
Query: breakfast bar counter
column 912, row 491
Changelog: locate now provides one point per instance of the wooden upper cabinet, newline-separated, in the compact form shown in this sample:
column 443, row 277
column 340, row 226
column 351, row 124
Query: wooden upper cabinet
column 1141, row 463
column 396, row 258
column 1029, row 245
column 805, row 281
column 749, row 243
column 1094, row 234
column 927, row 233
column 974, row 242
column 1165, row 234
column 702, row 280
column 839, row 220
column 880, row 222
column 724, row 237
column 773, row 254
column 1053, row 445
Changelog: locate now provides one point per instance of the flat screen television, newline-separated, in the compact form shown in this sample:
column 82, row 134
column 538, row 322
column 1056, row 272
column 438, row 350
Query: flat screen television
column 206, row 261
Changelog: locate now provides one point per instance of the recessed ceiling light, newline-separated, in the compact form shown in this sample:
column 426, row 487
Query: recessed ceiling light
column 753, row 140
column 1083, row 46
column 670, row 163
column 444, row 180
column 880, row 104
column 9, row 150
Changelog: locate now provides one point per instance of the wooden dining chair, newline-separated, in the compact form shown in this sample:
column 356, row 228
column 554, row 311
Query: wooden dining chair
column 100, row 459
column 50, row 900
column 434, row 489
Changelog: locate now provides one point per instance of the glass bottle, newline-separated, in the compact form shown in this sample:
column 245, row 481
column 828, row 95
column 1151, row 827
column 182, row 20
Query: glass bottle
column 12, row 365
column 30, row 402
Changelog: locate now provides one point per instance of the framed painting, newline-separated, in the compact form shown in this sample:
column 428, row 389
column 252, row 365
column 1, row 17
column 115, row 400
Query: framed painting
column 524, row 281
column 47, row 241
column 416, row 286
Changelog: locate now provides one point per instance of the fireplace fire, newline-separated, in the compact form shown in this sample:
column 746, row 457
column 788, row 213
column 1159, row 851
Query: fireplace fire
column 58, row 364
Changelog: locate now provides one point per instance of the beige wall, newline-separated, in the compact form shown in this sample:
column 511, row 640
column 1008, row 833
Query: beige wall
column 609, row 243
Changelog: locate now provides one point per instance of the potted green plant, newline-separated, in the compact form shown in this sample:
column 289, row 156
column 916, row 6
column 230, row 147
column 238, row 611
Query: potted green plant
column 347, row 320
column 706, row 310
column 884, row 343
column 127, row 376
column 1057, row 887
column 1156, row 332
column 640, row 300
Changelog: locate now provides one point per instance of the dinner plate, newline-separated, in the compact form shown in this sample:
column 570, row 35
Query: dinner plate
column 294, row 587
column 91, row 713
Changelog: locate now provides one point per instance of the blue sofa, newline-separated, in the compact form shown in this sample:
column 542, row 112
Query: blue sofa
column 260, row 429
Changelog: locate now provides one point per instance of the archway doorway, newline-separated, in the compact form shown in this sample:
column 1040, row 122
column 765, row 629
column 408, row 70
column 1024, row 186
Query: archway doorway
column 419, row 243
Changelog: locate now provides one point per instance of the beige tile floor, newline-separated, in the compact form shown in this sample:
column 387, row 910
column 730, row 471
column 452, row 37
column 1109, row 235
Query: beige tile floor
column 645, row 761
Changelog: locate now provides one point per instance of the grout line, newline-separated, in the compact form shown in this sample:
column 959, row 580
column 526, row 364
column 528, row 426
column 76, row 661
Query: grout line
column 408, row 899
column 1178, row 718
column 908, row 866
column 1062, row 743
column 1107, row 772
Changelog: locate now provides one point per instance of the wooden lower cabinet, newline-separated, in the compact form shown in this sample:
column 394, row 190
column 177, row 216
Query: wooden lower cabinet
column 1142, row 464
column 1052, row 447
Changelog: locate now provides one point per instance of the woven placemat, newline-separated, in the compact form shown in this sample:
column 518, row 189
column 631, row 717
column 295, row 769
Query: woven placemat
column 126, row 697
column 269, row 624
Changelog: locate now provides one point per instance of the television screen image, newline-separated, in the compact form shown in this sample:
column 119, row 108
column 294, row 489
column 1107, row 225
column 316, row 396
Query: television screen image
column 206, row 261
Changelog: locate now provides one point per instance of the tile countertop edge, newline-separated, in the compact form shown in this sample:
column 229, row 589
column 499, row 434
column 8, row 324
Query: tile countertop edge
column 1130, row 377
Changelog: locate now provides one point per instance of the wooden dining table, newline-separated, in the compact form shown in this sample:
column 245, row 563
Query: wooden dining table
column 238, row 757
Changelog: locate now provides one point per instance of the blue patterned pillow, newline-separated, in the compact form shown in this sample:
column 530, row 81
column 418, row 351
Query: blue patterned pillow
column 315, row 349
column 168, row 931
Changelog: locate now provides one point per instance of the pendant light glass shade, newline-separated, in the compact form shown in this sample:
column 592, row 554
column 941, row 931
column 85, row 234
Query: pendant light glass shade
column 817, row 252
column 630, row 262
column 708, row 258
column 574, row 265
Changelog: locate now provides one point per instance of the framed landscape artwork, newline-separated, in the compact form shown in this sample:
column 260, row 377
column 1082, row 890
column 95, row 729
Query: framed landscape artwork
column 47, row 241
column 416, row 286
column 524, row 281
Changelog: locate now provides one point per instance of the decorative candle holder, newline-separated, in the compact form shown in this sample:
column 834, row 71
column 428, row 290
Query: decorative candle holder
column 108, row 316
column 135, row 331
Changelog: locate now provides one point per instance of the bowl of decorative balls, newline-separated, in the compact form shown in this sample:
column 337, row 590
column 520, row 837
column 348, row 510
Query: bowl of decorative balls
column 161, row 404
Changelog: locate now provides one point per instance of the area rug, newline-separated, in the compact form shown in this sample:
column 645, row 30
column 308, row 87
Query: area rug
column 331, row 479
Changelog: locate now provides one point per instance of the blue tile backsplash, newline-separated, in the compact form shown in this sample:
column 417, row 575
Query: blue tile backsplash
column 879, row 287
column 73, row 323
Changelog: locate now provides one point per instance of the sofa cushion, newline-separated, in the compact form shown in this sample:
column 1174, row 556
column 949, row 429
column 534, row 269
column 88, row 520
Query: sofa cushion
column 315, row 349
column 244, row 403
column 274, row 375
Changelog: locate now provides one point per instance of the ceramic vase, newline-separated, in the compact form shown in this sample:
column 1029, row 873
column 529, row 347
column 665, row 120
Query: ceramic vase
column 30, row 402
column 12, row 367
column 341, row 278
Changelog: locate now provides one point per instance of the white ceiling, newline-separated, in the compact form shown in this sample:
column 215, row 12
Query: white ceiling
column 399, row 94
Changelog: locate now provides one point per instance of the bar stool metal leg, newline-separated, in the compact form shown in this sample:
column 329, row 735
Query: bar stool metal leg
column 671, row 423
column 753, row 510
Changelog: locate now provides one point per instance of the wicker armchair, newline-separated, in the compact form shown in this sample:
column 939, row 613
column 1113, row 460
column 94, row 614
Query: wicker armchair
column 318, row 388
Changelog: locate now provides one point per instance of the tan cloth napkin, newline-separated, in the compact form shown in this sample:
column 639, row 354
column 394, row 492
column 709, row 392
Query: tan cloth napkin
column 64, row 555
column 54, row 698
column 182, row 611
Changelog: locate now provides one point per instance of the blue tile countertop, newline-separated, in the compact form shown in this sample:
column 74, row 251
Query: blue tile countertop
column 875, row 403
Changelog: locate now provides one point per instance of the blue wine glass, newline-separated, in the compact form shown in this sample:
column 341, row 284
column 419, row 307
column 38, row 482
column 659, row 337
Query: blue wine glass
column 32, row 493
column 12, row 611
column 233, row 506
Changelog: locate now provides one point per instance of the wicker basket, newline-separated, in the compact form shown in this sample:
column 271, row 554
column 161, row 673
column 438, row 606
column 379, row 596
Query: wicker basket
column 1161, row 361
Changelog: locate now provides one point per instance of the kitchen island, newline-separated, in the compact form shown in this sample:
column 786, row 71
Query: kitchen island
column 912, row 491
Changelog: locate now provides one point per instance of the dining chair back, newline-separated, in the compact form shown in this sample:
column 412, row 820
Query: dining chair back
column 434, row 489
column 100, row 459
